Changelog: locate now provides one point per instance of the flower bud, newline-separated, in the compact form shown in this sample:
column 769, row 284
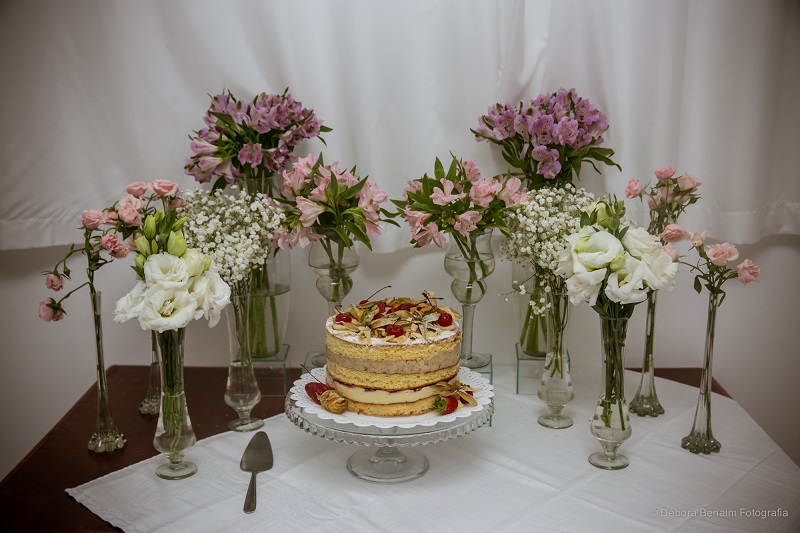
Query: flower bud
column 139, row 261
column 154, row 247
column 618, row 262
column 142, row 246
column 580, row 245
column 150, row 227
column 178, row 224
column 176, row 244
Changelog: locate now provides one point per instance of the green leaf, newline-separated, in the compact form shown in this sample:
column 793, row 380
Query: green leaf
column 351, row 192
column 360, row 235
column 219, row 184
column 438, row 170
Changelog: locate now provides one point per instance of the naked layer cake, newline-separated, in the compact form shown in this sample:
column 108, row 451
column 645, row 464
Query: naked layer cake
column 392, row 357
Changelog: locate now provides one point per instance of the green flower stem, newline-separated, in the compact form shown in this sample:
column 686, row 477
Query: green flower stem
column 613, row 332
column 173, row 399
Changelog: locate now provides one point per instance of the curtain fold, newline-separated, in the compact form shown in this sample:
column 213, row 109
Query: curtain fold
column 100, row 93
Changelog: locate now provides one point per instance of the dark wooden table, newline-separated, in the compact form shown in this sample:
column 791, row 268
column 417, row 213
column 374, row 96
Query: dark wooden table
column 33, row 497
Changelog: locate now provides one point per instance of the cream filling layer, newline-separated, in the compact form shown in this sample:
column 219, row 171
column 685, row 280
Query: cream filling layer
column 382, row 397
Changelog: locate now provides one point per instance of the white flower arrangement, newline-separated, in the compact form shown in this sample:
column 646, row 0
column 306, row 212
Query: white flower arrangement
column 237, row 231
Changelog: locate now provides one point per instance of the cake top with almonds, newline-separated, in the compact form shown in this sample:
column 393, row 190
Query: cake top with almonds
column 395, row 321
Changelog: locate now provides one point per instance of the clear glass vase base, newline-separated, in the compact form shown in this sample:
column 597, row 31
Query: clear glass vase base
column 387, row 464
column 607, row 462
column 643, row 406
column 149, row 406
column 478, row 362
column 244, row 425
column 555, row 421
column 106, row 441
column 701, row 444
column 180, row 470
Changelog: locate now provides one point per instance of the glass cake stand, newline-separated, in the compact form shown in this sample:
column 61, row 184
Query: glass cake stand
column 387, row 457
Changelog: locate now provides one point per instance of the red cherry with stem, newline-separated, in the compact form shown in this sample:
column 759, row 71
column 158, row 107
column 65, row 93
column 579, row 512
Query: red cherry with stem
column 445, row 320
column 341, row 317
column 395, row 330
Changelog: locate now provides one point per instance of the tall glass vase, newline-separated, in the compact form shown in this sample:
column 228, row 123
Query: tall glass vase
column 531, row 324
column 701, row 439
column 106, row 437
column 241, row 390
column 332, row 262
column 611, row 424
column 174, row 433
column 469, row 260
column 152, row 397
column 268, row 306
column 646, row 403
column 555, row 389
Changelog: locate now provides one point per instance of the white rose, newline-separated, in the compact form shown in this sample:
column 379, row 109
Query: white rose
column 195, row 262
column 638, row 241
column 130, row 305
column 626, row 285
column 585, row 286
column 168, row 308
column 597, row 250
column 166, row 270
column 659, row 270
column 212, row 295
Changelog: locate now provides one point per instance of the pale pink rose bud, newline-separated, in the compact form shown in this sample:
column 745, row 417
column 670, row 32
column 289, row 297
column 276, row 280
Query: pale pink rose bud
column 137, row 188
column 54, row 282
column 722, row 254
column 687, row 182
column 131, row 217
column 747, row 272
column 164, row 188
column 634, row 189
column 109, row 241
column 130, row 202
column 673, row 233
column 109, row 218
column 91, row 219
column 120, row 251
column 698, row 238
column 664, row 173
column 671, row 251
column 47, row 313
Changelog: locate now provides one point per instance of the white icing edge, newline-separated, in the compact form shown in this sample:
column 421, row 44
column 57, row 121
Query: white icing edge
column 379, row 341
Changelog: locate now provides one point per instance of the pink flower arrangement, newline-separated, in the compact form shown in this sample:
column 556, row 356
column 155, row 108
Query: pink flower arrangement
column 667, row 199
column 250, row 140
column 547, row 139
column 106, row 232
column 326, row 202
column 458, row 202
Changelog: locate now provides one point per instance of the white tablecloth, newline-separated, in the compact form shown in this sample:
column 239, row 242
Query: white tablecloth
column 512, row 476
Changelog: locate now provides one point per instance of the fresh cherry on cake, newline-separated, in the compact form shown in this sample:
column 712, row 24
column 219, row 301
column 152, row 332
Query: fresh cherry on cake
column 445, row 320
column 395, row 330
column 445, row 405
column 315, row 390
column 342, row 317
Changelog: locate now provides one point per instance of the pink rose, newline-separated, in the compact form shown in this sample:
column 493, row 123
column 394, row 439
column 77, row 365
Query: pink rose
column 91, row 219
column 747, row 272
column 137, row 188
column 109, row 218
column 698, row 238
column 54, row 282
column 671, row 251
column 109, row 241
column 164, row 187
column 131, row 217
column 130, row 202
column 664, row 173
column 119, row 252
column 633, row 189
column 673, row 233
column 49, row 310
column 722, row 254
column 687, row 182
column 177, row 203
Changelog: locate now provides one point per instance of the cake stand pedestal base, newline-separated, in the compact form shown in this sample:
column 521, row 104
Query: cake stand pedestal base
column 387, row 464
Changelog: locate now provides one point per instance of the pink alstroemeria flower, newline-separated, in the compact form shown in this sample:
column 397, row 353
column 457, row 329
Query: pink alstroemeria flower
column 471, row 171
column 466, row 222
column 309, row 211
column 430, row 233
column 252, row 154
column 513, row 192
column 415, row 219
column 483, row 192
column 413, row 186
column 443, row 196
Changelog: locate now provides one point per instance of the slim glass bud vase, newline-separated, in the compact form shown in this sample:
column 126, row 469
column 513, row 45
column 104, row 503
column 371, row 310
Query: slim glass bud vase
column 174, row 433
column 152, row 397
column 106, row 437
column 646, row 403
column 701, row 439
column 555, row 389
column 611, row 424
column 241, row 391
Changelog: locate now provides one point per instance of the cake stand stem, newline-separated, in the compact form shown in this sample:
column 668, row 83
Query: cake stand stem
column 387, row 464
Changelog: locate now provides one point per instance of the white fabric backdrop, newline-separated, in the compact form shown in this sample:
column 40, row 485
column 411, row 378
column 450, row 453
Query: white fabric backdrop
column 99, row 93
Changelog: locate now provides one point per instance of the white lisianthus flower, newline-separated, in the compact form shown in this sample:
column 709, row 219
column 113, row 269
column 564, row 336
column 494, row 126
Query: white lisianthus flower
column 626, row 285
column 168, row 308
column 637, row 241
column 165, row 270
column 212, row 295
column 585, row 286
column 195, row 262
column 659, row 270
column 597, row 250
column 130, row 305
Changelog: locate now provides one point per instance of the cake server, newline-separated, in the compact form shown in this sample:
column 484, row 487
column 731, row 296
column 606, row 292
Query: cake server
column 257, row 458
